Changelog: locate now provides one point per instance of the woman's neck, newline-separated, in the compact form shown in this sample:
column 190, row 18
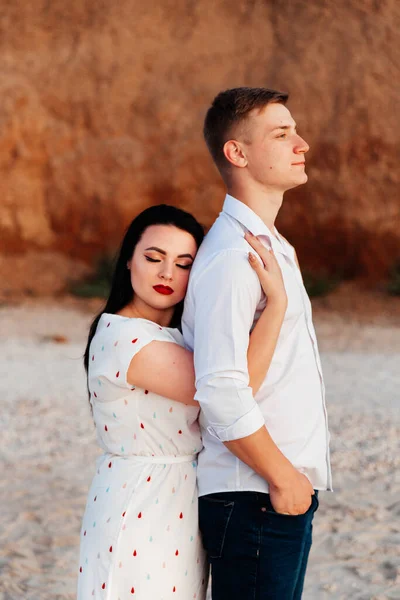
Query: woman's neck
column 140, row 310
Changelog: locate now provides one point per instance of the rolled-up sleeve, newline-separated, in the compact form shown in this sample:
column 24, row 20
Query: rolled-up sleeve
column 226, row 297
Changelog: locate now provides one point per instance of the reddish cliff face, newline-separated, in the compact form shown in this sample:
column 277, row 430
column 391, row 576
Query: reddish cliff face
column 101, row 110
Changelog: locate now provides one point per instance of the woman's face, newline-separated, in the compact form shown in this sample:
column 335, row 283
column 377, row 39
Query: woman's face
column 160, row 266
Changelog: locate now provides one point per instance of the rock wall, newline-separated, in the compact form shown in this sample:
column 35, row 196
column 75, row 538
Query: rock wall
column 101, row 110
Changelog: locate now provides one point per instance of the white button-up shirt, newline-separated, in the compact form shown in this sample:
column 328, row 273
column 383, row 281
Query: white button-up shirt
column 223, row 302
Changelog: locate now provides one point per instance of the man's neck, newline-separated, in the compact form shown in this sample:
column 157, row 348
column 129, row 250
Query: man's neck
column 265, row 203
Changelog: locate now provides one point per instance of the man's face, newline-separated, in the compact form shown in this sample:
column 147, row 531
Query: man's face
column 274, row 150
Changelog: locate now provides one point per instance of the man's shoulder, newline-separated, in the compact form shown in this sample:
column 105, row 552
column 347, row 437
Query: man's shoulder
column 223, row 262
column 224, row 235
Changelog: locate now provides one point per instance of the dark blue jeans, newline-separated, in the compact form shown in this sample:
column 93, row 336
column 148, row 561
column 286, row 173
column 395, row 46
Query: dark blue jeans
column 255, row 553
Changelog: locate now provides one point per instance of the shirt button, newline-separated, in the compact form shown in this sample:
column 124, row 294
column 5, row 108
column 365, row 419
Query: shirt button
column 263, row 509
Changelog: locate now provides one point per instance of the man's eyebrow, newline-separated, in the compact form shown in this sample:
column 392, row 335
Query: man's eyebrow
column 285, row 127
column 164, row 253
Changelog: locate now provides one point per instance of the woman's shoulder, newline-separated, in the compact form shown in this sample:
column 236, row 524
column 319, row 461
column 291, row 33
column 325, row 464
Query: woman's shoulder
column 121, row 327
column 117, row 340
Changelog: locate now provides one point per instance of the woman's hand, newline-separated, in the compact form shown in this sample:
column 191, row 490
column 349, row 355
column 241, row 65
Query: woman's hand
column 269, row 272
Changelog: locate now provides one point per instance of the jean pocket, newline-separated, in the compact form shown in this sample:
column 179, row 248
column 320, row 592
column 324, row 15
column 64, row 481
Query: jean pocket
column 315, row 501
column 310, row 510
column 214, row 517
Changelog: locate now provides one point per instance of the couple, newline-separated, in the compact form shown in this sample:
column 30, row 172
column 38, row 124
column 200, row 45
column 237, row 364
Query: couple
column 223, row 368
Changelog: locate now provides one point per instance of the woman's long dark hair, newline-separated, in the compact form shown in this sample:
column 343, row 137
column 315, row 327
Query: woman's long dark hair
column 121, row 292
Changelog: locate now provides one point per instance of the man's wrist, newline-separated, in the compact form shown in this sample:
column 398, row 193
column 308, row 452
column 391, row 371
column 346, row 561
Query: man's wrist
column 282, row 477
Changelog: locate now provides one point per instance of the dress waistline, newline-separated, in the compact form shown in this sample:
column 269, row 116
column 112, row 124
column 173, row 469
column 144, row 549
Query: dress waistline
column 157, row 460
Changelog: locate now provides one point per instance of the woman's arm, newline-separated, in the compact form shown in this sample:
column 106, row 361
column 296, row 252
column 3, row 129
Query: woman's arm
column 264, row 336
column 167, row 369
column 263, row 340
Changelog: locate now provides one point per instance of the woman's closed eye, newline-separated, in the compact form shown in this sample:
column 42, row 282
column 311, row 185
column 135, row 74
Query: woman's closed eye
column 155, row 260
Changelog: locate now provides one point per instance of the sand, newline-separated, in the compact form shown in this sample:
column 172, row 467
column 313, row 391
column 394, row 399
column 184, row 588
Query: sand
column 48, row 450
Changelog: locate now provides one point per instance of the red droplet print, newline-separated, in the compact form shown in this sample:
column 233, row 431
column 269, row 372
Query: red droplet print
column 124, row 513
column 103, row 587
column 149, row 478
column 80, row 569
column 176, row 552
column 181, row 516
column 141, row 426
column 117, row 374
column 105, row 428
column 134, row 341
column 93, row 357
column 109, row 324
column 174, row 589
column 134, row 553
column 180, row 432
column 109, row 465
column 110, row 549
column 84, row 533
column 139, row 515
column 95, row 498
column 146, row 391
column 132, row 590
column 94, row 394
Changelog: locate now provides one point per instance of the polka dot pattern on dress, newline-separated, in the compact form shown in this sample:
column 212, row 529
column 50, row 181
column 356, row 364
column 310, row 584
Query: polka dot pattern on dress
column 129, row 514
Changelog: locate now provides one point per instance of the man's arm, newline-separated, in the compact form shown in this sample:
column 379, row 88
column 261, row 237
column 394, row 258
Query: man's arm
column 226, row 298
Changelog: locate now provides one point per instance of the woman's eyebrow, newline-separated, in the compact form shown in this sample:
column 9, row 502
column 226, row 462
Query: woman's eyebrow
column 164, row 253
column 157, row 250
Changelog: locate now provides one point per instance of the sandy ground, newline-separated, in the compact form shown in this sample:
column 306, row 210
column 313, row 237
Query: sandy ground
column 48, row 450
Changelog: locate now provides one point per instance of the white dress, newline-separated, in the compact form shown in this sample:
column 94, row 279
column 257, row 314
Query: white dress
column 140, row 538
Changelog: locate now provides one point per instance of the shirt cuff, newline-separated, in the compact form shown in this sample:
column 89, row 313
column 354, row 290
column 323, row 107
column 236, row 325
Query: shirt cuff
column 246, row 425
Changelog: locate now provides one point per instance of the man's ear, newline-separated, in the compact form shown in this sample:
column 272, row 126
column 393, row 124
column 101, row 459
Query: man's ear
column 235, row 154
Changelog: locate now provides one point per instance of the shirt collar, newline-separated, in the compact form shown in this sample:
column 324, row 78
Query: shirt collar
column 247, row 217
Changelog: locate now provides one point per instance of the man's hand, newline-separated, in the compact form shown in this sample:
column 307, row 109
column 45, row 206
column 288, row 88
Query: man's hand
column 294, row 496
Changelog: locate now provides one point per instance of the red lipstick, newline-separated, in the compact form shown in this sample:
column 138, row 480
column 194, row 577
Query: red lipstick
column 163, row 289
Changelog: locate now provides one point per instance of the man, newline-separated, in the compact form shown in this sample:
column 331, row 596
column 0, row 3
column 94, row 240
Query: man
column 263, row 456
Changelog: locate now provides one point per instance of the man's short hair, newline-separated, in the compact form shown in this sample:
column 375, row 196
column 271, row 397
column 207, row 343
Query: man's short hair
column 229, row 109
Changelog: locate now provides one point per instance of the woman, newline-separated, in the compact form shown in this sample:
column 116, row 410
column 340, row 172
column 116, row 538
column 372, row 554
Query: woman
column 140, row 536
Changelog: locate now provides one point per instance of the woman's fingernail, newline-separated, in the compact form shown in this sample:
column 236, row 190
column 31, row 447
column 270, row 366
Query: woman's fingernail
column 251, row 256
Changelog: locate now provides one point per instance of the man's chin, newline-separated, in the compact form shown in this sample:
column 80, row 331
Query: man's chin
column 305, row 179
column 298, row 181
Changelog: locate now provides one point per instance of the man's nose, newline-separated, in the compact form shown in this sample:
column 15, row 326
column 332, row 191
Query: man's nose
column 301, row 146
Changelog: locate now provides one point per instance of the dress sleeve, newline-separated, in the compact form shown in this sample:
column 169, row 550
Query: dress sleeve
column 133, row 335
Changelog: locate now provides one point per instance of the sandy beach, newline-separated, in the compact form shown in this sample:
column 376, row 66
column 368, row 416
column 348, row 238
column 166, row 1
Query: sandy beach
column 48, row 450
